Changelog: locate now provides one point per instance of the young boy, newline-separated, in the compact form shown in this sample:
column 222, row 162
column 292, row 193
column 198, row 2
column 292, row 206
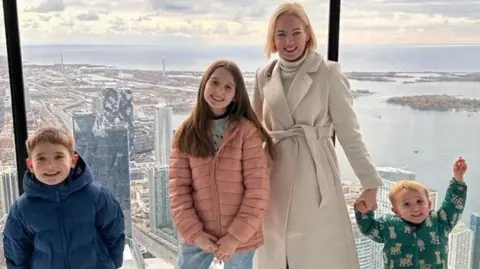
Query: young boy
column 416, row 236
column 64, row 219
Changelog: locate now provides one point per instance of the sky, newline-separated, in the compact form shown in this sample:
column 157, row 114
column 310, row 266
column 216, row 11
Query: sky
column 240, row 22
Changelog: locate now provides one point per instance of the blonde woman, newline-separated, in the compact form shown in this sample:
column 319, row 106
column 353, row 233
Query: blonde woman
column 301, row 99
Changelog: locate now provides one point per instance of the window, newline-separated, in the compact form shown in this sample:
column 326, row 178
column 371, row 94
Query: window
column 412, row 67
column 122, row 75
column 8, row 167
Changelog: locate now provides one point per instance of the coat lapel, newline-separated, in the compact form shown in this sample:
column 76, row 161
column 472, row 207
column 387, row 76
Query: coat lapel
column 274, row 95
column 303, row 81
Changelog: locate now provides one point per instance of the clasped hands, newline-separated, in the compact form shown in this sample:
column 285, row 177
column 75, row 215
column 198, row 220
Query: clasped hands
column 223, row 248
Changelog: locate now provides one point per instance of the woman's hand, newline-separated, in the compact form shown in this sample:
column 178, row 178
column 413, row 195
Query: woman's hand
column 367, row 201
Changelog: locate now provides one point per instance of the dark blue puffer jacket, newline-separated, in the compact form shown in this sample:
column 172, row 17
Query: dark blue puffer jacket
column 74, row 225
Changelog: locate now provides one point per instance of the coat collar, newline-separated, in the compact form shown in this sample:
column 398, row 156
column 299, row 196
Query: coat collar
column 285, row 106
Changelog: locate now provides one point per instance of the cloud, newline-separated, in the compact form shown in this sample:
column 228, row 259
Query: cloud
column 88, row 16
column 227, row 22
column 47, row 6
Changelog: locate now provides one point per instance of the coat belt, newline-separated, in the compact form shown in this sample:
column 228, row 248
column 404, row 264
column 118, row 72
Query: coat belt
column 313, row 135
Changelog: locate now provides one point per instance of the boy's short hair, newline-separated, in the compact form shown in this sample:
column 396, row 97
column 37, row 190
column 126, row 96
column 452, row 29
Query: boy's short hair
column 407, row 184
column 52, row 135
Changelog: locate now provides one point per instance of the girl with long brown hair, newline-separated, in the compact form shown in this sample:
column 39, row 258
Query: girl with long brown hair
column 219, row 177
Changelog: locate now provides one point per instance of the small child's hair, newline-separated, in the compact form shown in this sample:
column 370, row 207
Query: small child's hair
column 407, row 184
column 50, row 134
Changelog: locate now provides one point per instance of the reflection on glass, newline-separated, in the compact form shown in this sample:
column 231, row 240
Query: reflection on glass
column 416, row 95
column 122, row 75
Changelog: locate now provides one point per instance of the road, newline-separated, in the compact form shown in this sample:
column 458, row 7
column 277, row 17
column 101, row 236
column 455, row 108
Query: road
column 156, row 249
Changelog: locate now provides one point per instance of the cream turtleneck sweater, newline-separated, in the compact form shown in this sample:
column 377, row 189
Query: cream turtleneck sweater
column 288, row 71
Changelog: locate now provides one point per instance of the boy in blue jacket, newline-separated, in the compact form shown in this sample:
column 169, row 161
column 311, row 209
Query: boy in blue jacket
column 64, row 219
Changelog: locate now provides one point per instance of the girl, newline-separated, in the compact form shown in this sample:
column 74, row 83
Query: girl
column 219, row 178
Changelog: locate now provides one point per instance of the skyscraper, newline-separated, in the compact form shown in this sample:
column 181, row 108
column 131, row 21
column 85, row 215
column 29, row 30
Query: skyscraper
column 390, row 176
column 163, row 67
column 8, row 187
column 363, row 244
column 105, row 148
column 27, row 99
column 460, row 247
column 161, row 221
column 2, row 110
column 118, row 110
column 163, row 133
column 475, row 227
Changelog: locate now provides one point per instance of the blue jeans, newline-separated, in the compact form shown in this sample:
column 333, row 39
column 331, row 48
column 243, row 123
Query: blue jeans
column 193, row 257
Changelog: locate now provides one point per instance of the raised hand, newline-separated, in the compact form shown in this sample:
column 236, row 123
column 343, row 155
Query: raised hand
column 459, row 169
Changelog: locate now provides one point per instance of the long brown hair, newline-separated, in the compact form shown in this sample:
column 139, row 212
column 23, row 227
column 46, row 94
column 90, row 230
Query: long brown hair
column 193, row 136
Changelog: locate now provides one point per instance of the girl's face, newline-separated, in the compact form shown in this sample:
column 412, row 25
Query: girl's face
column 290, row 37
column 219, row 91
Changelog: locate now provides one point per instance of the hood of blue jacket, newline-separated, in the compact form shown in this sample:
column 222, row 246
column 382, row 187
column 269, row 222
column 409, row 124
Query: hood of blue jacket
column 79, row 177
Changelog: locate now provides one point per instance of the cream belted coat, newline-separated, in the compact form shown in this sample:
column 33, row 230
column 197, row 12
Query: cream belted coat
column 307, row 220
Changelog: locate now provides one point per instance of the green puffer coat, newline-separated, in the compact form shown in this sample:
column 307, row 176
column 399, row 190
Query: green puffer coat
column 421, row 246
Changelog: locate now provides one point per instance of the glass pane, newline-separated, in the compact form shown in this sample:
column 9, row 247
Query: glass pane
column 8, row 166
column 122, row 75
column 413, row 69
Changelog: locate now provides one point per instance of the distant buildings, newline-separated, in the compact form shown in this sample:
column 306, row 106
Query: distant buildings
column 104, row 140
column 460, row 247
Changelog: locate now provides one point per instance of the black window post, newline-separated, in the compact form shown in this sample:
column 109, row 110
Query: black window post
column 333, row 35
column 14, row 54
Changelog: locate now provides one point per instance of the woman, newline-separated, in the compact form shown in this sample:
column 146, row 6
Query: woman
column 300, row 99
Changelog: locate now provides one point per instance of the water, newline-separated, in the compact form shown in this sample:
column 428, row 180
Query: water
column 392, row 134
column 184, row 57
column 392, row 138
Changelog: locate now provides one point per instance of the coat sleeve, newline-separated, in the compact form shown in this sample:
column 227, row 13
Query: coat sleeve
column 180, row 192
column 110, row 221
column 17, row 243
column 345, row 122
column 453, row 205
column 257, row 100
column 254, row 204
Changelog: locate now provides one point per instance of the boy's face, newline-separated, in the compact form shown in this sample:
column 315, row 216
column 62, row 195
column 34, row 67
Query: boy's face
column 51, row 163
column 412, row 206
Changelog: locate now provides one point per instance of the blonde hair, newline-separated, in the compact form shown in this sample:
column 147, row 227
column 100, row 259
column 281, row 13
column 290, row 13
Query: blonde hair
column 408, row 184
column 50, row 134
column 293, row 9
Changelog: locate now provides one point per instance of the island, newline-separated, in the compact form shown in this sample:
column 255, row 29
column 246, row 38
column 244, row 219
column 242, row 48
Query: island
column 437, row 102
column 359, row 93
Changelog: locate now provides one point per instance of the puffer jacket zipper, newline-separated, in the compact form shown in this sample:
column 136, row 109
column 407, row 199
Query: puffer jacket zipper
column 216, row 198
column 63, row 236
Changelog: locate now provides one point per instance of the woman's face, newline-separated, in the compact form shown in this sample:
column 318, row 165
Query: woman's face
column 290, row 37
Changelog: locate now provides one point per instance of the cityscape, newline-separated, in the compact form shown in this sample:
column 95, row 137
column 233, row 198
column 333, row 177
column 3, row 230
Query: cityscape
column 123, row 124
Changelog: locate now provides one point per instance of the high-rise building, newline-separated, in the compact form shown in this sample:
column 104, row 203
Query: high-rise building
column 390, row 176
column 161, row 221
column 163, row 133
column 163, row 67
column 27, row 99
column 97, row 105
column 2, row 110
column 105, row 148
column 8, row 188
column 363, row 244
column 475, row 227
column 118, row 111
column 460, row 247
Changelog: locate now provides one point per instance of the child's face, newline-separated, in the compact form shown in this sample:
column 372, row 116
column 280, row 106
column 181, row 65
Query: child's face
column 412, row 206
column 219, row 90
column 51, row 163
